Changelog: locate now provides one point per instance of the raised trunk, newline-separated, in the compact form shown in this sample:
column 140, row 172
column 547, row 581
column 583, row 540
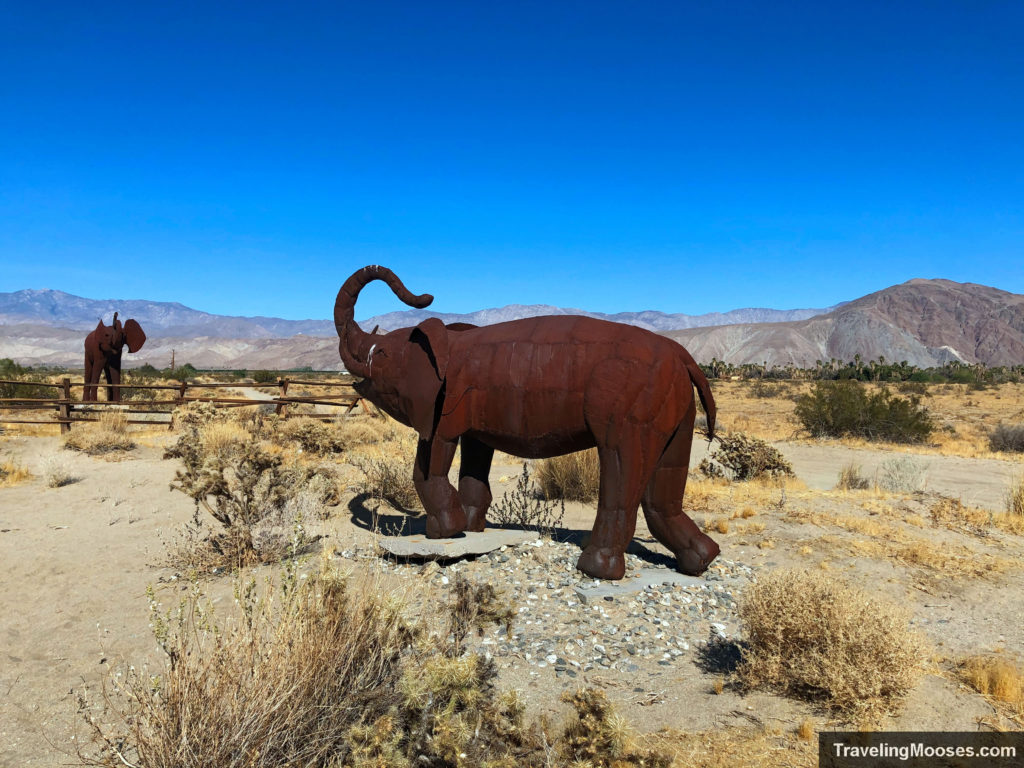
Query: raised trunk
column 354, row 343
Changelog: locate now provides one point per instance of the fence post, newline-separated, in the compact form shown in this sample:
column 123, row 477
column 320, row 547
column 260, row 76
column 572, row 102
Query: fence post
column 64, row 408
column 282, row 408
column 181, row 401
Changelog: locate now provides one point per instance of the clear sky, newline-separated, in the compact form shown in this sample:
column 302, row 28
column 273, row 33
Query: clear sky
column 245, row 158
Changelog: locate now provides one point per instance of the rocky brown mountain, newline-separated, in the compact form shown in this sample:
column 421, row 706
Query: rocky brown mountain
column 925, row 322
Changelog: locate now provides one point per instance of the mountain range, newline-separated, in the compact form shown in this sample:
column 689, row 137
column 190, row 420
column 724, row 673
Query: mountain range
column 64, row 310
column 925, row 322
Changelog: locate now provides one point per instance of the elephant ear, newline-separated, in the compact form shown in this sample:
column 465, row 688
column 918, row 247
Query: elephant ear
column 426, row 367
column 134, row 336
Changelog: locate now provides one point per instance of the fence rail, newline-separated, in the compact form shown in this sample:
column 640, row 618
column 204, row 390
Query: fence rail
column 69, row 411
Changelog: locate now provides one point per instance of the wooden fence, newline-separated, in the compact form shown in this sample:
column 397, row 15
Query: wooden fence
column 69, row 411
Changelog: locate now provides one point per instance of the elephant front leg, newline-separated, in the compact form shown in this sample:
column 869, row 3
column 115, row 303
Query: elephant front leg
column 474, row 485
column 445, row 516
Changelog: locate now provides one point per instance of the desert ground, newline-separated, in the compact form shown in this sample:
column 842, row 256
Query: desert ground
column 78, row 560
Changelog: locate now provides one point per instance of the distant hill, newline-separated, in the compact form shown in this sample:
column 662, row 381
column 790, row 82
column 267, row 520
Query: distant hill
column 63, row 310
column 925, row 322
column 651, row 320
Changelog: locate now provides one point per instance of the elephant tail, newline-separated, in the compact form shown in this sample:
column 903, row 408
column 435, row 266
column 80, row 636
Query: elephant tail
column 707, row 400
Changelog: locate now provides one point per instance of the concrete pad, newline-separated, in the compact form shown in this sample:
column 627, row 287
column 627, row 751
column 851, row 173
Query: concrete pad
column 468, row 544
column 590, row 592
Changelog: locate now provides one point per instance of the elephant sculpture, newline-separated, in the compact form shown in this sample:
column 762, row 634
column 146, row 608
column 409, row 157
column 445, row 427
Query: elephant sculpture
column 536, row 388
column 103, row 348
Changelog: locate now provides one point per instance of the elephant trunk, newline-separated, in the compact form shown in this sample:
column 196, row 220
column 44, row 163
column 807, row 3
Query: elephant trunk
column 354, row 343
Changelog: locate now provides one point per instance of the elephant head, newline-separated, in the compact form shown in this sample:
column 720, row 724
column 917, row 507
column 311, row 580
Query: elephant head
column 403, row 372
column 111, row 339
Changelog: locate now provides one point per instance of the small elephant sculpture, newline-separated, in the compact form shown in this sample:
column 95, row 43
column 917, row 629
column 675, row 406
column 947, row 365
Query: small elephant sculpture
column 103, row 348
column 536, row 388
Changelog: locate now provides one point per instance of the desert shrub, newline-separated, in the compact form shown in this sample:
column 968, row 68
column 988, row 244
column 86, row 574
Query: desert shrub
column 320, row 672
column 763, row 389
column 814, row 637
column 264, row 377
column 1015, row 498
column 388, row 478
column 573, row 477
column 57, row 472
column 526, row 507
column 745, row 458
column 244, row 487
column 1007, row 437
column 850, row 479
column 312, row 435
column 109, row 433
column 848, row 408
column 902, row 474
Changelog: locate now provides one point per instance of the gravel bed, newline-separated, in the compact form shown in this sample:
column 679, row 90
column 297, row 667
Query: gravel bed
column 555, row 631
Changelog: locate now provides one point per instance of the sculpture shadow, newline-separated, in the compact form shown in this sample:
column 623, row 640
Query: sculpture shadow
column 386, row 519
column 719, row 656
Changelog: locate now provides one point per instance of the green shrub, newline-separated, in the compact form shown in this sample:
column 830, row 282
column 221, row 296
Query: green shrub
column 745, row 458
column 264, row 377
column 848, row 408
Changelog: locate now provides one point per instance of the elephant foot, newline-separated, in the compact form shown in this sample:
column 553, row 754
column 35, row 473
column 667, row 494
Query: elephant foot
column 446, row 525
column 602, row 563
column 476, row 519
column 696, row 559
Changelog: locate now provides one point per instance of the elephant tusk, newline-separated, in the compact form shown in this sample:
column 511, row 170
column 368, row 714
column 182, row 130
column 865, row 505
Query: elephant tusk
column 369, row 355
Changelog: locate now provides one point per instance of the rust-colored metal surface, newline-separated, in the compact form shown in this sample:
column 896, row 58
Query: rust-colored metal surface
column 103, row 347
column 536, row 388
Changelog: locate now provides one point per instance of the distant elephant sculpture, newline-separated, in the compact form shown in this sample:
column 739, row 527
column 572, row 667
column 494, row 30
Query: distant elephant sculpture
column 103, row 348
column 536, row 388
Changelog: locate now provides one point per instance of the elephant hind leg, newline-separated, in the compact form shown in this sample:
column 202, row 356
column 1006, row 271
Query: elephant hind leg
column 625, row 469
column 474, row 484
column 663, row 506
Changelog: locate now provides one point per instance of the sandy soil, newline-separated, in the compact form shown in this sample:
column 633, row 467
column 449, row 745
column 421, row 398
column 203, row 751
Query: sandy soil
column 77, row 561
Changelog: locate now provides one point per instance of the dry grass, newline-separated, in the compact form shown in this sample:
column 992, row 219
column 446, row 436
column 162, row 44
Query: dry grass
column 815, row 637
column 1015, row 499
column 999, row 680
column 107, row 435
column 737, row 748
column 851, row 479
column 12, row 473
column 319, row 672
column 573, row 477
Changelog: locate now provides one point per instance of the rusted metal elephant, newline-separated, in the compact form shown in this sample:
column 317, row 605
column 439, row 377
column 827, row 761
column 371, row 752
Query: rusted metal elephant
column 536, row 388
column 103, row 348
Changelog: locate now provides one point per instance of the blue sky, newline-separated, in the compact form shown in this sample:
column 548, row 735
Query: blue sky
column 245, row 158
